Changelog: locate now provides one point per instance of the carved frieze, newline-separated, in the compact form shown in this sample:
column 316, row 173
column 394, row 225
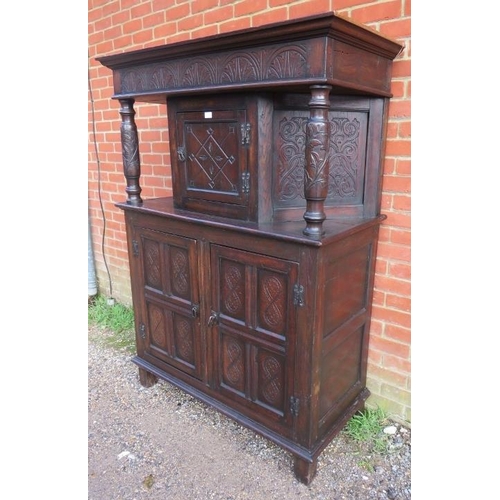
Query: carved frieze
column 261, row 64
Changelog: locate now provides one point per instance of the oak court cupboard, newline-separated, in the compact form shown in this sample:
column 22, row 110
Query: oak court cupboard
column 252, row 285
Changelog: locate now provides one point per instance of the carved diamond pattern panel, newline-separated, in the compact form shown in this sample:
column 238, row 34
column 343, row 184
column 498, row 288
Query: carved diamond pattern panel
column 183, row 337
column 212, row 151
column 179, row 272
column 271, row 379
column 157, row 326
column 233, row 363
column 152, row 269
column 233, row 289
column 346, row 158
column 272, row 293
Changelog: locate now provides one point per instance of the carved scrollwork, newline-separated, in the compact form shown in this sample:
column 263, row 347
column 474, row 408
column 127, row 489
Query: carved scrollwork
column 343, row 156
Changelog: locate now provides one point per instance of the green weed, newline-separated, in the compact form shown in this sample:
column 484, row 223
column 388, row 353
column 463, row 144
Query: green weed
column 366, row 427
column 117, row 319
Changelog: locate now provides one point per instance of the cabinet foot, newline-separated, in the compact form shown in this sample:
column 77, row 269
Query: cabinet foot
column 147, row 379
column 305, row 471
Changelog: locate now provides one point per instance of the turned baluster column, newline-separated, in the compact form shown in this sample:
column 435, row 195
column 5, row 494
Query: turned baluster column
column 130, row 152
column 317, row 163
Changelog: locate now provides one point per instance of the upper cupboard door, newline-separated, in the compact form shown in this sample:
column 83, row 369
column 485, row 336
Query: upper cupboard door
column 210, row 154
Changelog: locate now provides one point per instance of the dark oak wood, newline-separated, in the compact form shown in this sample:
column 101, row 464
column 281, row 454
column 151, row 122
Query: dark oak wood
column 237, row 301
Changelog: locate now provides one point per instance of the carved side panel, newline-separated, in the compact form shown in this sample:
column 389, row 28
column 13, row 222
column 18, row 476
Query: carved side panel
column 346, row 157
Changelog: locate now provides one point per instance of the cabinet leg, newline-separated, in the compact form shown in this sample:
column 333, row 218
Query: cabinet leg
column 305, row 471
column 147, row 379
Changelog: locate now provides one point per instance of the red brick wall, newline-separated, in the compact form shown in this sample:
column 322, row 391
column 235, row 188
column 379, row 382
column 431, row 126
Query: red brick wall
column 121, row 25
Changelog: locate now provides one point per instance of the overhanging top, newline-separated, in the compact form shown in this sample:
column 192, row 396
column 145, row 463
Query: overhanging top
column 325, row 49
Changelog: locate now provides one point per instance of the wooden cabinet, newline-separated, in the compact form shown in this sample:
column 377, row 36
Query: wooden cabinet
column 252, row 284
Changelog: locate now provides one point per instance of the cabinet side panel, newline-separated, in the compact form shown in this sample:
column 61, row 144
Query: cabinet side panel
column 345, row 288
column 346, row 319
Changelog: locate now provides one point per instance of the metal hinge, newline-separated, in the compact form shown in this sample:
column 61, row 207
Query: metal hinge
column 135, row 248
column 298, row 295
column 294, row 405
column 245, row 182
column 245, row 133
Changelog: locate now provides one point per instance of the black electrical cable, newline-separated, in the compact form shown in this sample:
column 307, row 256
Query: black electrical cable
column 99, row 184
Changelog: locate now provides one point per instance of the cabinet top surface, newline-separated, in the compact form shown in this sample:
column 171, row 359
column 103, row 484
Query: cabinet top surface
column 292, row 231
column 323, row 49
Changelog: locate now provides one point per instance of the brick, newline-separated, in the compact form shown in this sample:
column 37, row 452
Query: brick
column 398, row 302
column 398, row 334
column 400, row 108
column 245, row 8
column 400, row 202
column 405, row 129
column 389, row 376
column 141, row 10
column 398, row 88
column 218, row 15
column 153, row 20
column 122, row 42
column 346, row 4
column 390, row 284
column 396, row 28
column 403, row 166
column 166, row 30
column 207, row 31
column 398, row 220
column 132, row 26
column 190, row 22
column 393, row 316
column 177, row 12
column 377, row 12
column 401, row 68
column 379, row 298
column 400, row 237
column 396, row 394
column 120, row 17
column 375, row 357
column 396, row 184
column 395, row 348
column 396, row 363
column 400, row 270
column 272, row 16
column 398, row 147
column 142, row 36
column 308, row 8
column 202, row 5
column 392, row 130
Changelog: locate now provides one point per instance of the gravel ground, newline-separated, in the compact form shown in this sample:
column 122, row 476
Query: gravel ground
column 159, row 443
